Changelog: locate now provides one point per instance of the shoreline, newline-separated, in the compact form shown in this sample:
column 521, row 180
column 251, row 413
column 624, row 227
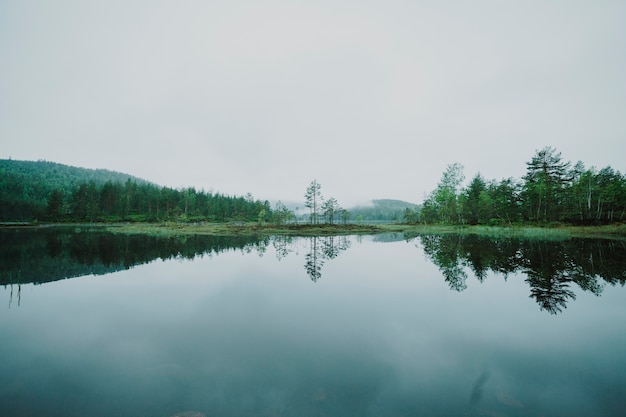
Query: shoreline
column 616, row 231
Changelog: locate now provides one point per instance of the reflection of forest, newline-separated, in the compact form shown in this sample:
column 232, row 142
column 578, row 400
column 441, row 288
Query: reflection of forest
column 550, row 266
column 45, row 255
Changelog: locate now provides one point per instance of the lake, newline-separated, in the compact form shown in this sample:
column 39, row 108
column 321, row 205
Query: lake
column 94, row 324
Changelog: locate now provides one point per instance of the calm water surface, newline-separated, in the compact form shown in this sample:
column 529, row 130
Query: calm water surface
column 350, row 326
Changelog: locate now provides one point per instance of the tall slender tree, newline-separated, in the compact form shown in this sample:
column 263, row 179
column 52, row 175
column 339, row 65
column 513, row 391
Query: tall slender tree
column 55, row 205
column 447, row 192
column 314, row 200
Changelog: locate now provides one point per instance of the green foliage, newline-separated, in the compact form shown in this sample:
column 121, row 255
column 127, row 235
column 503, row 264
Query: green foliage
column 551, row 192
column 281, row 214
column 31, row 191
column 313, row 200
column 475, row 201
column 545, row 185
column 329, row 210
column 442, row 205
column 410, row 216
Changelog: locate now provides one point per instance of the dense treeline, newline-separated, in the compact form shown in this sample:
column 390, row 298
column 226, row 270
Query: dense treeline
column 45, row 191
column 551, row 191
column 114, row 201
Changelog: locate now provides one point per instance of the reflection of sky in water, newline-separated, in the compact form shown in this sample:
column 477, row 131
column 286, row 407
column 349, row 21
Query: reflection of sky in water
column 238, row 334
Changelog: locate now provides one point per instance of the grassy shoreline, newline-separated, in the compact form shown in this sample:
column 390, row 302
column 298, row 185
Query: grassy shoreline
column 226, row 229
column 617, row 231
column 561, row 232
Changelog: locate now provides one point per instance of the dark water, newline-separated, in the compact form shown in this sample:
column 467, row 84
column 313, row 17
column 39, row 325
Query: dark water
column 344, row 326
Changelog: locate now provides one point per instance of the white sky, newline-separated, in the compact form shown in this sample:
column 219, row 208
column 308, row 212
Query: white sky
column 371, row 98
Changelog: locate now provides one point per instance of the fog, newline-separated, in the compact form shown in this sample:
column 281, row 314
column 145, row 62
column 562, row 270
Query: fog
column 372, row 99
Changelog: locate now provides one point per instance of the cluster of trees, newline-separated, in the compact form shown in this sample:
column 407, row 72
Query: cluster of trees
column 551, row 191
column 322, row 210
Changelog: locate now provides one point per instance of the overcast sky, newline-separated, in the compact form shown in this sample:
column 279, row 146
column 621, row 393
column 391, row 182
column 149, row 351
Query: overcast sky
column 371, row 98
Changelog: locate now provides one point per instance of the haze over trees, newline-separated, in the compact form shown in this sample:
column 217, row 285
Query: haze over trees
column 386, row 210
column 551, row 191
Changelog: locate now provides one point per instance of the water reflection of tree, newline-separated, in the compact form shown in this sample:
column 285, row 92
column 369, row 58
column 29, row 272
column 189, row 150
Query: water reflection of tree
column 551, row 291
column 40, row 256
column 548, row 271
column 322, row 248
column 319, row 250
column 446, row 254
column 550, row 266
column 283, row 246
column 314, row 260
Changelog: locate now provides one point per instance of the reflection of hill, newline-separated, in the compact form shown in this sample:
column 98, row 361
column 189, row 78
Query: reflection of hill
column 39, row 256
column 389, row 237
column 550, row 266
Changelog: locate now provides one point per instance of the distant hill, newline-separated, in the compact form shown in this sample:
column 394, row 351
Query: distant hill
column 386, row 210
column 382, row 209
column 63, row 177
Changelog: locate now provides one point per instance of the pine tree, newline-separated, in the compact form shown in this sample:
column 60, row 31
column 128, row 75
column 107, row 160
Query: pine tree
column 314, row 200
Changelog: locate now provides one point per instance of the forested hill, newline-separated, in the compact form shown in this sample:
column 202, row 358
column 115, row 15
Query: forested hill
column 383, row 209
column 48, row 191
column 63, row 177
column 26, row 186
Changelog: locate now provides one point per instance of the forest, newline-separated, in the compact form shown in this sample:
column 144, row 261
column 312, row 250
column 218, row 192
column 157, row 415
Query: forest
column 50, row 192
column 552, row 191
